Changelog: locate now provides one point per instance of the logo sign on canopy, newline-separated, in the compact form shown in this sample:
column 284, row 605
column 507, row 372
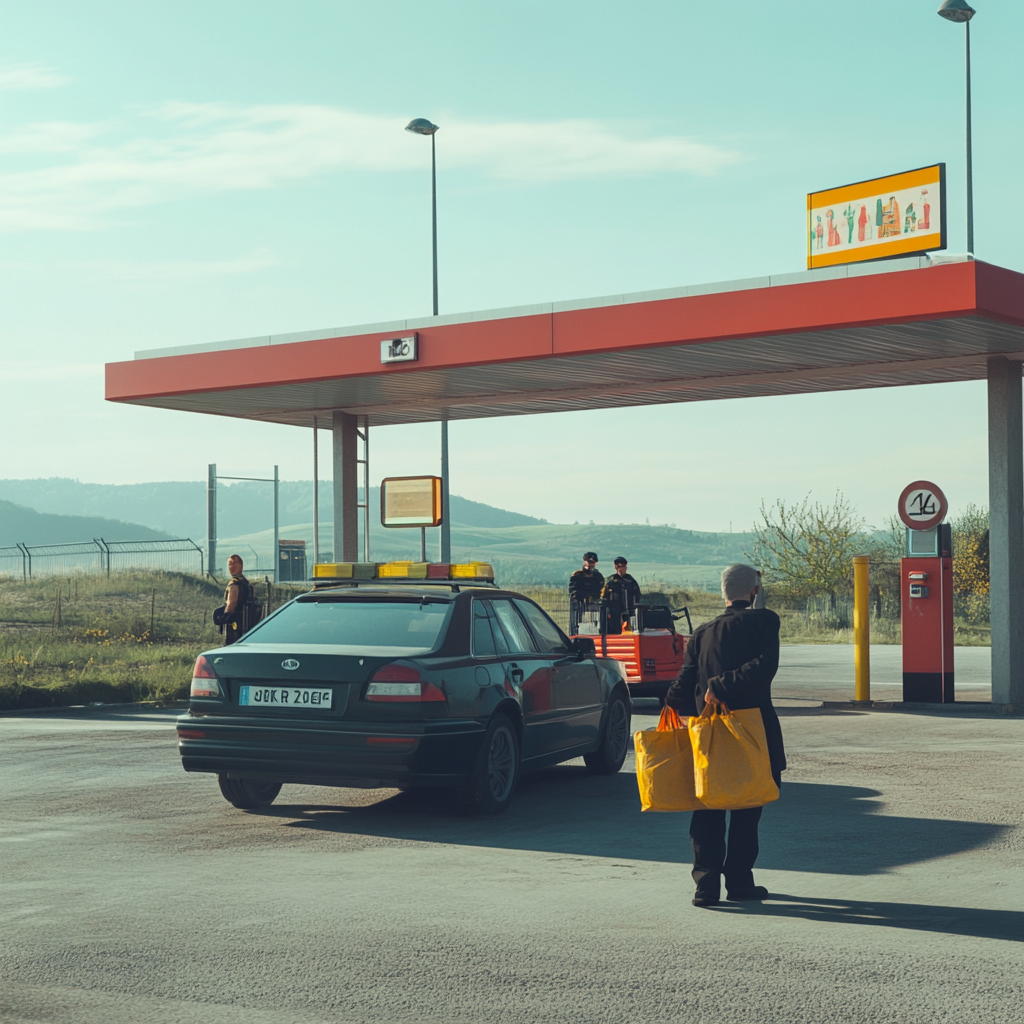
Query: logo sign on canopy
column 879, row 219
column 410, row 501
column 922, row 505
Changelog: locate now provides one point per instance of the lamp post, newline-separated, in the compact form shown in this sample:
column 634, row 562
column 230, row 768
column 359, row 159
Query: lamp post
column 960, row 11
column 421, row 126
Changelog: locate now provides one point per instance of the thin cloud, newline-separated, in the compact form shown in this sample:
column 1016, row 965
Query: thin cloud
column 175, row 270
column 31, row 76
column 215, row 147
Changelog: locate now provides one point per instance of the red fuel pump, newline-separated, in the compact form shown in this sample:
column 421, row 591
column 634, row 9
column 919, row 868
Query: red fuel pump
column 926, row 586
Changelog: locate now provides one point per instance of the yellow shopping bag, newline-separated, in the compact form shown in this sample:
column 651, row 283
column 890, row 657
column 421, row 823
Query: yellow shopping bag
column 664, row 766
column 730, row 760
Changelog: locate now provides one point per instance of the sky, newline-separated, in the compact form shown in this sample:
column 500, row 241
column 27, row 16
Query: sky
column 179, row 173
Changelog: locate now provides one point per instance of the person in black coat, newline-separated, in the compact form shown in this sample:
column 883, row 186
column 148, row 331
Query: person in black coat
column 584, row 590
column 620, row 596
column 731, row 662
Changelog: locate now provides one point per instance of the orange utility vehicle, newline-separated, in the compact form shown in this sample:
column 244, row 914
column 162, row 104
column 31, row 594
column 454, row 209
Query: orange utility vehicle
column 649, row 648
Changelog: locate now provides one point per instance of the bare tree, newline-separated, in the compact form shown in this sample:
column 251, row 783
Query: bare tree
column 806, row 548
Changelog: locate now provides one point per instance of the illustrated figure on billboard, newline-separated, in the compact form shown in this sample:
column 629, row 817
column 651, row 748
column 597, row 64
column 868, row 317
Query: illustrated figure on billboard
column 863, row 225
column 818, row 233
column 890, row 219
column 878, row 217
column 833, row 232
column 910, row 221
column 925, row 223
column 850, row 214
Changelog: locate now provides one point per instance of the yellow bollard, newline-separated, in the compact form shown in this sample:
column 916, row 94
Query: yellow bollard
column 861, row 629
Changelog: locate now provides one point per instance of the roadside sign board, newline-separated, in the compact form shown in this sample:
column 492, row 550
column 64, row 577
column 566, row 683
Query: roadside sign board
column 922, row 505
column 897, row 215
column 410, row 501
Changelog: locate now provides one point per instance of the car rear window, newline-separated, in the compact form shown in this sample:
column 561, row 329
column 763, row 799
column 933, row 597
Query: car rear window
column 355, row 624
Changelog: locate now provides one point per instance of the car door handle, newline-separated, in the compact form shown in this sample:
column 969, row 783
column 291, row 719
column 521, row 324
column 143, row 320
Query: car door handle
column 516, row 673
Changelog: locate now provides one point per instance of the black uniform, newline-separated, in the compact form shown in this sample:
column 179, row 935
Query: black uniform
column 584, row 590
column 620, row 596
column 736, row 656
column 234, row 624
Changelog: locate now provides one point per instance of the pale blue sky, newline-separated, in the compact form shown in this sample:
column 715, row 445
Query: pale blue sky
column 175, row 173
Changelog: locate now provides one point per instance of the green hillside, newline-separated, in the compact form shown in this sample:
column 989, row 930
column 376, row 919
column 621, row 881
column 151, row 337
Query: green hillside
column 544, row 554
column 26, row 525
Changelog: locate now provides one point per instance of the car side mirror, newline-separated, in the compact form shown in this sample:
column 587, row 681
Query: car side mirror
column 584, row 647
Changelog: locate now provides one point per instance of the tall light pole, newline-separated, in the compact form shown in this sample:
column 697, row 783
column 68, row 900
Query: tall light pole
column 421, row 126
column 961, row 12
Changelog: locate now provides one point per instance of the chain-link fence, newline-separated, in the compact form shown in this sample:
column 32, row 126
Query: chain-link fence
column 28, row 561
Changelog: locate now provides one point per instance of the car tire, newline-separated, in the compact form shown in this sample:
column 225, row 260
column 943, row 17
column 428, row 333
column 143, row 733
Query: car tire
column 610, row 755
column 492, row 783
column 248, row 794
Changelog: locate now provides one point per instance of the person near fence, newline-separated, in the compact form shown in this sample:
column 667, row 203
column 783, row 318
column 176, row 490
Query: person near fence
column 237, row 595
column 619, row 596
column 584, row 590
column 730, row 662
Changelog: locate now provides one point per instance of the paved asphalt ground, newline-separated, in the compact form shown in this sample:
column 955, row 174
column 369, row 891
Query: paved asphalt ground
column 133, row 893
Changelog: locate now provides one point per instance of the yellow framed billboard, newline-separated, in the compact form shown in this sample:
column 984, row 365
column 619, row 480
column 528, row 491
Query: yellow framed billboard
column 879, row 219
column 410, row 501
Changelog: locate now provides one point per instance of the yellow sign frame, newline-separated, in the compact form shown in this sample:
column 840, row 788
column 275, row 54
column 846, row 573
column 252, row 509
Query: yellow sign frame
column 410, row 501
column 901, row 228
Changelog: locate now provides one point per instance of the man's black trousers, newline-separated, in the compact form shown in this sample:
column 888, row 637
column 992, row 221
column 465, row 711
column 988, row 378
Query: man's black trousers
column 713, row 857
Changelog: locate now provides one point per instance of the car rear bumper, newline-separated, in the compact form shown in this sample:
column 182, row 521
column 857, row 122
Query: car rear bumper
column 357, row 755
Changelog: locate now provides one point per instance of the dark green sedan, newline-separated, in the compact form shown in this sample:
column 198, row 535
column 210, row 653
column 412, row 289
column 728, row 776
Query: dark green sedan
column 407, row 686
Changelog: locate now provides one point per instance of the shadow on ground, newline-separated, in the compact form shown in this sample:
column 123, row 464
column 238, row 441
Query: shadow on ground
column 816, row 828
column 984, row 924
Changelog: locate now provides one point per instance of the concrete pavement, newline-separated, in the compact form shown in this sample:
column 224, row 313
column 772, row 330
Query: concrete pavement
column 133, row 892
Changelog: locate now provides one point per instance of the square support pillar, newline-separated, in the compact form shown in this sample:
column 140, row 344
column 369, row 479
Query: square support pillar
column 346, row 487
column 1006, row 529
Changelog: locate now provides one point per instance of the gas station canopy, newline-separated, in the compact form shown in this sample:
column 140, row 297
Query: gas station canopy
column 906, row 321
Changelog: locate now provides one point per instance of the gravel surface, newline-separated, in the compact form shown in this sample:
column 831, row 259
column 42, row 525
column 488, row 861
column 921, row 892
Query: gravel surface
column 132, row 892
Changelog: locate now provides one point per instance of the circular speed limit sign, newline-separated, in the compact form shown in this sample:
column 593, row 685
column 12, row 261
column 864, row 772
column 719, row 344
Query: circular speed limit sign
column 922, row 505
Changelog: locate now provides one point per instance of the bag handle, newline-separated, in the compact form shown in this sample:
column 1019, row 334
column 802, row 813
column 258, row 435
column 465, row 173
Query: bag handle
column 670, row 720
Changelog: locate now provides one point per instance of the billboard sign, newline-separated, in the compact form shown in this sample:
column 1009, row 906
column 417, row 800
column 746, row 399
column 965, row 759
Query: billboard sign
column 410, row 501
column 897, row 215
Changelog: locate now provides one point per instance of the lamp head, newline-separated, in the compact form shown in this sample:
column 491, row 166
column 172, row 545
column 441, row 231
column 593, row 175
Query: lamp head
column 421, row 126
column 956, row 10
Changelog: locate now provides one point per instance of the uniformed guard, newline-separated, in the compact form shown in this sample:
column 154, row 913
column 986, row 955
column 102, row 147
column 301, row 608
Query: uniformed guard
column 237, row 595
column 619, row 597
column 584, row 591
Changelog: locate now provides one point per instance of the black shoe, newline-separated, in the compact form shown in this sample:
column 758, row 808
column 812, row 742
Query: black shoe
column 705, row 899
column 757, row 892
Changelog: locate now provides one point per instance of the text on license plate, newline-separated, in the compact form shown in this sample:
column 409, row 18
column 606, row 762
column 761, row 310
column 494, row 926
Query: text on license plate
column 284, row 697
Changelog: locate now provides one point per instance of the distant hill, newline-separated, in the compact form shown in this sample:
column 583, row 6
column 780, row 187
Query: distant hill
column 18, row 523
column 179, row 507
column 540, row 554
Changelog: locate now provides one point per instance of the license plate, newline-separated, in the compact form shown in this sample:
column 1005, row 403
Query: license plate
column 284, row 697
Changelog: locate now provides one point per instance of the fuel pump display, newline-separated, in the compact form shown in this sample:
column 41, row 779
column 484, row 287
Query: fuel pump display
column 926, row 589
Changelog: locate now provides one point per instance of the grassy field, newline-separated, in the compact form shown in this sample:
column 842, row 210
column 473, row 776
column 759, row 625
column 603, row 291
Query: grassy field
column 134, row 636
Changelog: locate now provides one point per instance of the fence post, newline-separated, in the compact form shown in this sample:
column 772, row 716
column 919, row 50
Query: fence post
column 26, row 555
column 861, row 629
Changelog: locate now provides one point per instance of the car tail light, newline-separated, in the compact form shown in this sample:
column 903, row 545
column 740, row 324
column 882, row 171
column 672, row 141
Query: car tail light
column 397, row 682
column 191, row 734
column 204, row 680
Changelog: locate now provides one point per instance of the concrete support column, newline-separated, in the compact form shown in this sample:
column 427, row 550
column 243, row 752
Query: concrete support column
column 1006, row 528
column 346, row 487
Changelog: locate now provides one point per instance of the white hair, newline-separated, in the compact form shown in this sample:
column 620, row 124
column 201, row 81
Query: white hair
column 739, row 580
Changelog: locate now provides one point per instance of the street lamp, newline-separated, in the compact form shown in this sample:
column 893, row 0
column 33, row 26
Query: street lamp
column 960, row 11
column 421, row 126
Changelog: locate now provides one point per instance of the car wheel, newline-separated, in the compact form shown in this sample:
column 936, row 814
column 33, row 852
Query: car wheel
column 609, row 756
column 493, row 780
column 248, row 793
